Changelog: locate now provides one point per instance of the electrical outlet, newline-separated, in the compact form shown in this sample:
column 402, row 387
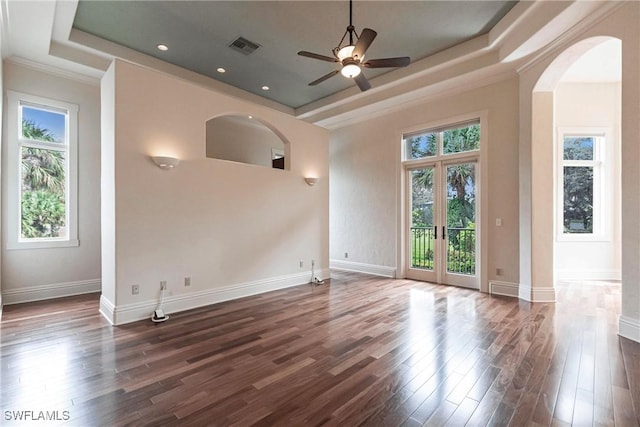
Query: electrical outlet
column 499, row 272
column 301, row 264
column 313, row 263
column 346, row 255
column 163, row 285
column 187, row 281
column 135, row 289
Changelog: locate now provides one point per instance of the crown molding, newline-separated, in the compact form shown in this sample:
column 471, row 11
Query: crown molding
column 411, row 99
column 49, row 69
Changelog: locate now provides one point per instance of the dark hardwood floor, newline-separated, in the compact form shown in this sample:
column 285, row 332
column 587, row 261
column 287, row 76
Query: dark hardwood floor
column 362, row 350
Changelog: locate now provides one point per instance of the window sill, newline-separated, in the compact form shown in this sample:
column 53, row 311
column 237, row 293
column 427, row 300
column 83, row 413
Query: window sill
column 582, row 238
column 47, row 244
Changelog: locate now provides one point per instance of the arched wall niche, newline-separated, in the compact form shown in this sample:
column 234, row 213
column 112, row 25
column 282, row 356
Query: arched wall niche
column 247, row 139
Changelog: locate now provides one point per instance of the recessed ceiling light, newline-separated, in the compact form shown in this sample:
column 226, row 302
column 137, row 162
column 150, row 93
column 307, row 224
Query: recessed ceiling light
column 162, row 47
column 221, row 70
column 265, row 87
column 251, row 117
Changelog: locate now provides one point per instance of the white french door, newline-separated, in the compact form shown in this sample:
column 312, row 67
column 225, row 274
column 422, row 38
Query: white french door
column 442, row 219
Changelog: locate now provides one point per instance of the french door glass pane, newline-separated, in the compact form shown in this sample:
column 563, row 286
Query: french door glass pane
column 461, row 218
column 422, row 221
column 578, row 199
column 43, row 209
column 43, row 125
column 421, row 146
column 461, row 139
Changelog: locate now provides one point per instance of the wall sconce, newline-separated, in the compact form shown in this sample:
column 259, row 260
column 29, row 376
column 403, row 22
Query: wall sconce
column 310, row 181
column 165, row 163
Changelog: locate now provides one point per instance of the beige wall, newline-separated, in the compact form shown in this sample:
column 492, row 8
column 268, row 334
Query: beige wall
column 365, row 172
column 232, row 228
column 40, row 273
column 579, row 105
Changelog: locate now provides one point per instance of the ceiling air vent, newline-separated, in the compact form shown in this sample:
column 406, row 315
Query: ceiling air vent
column 244, row 46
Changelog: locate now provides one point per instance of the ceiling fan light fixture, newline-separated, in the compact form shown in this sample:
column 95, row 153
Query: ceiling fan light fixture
column 345, row 52
column 350, row 71
column 351, row 56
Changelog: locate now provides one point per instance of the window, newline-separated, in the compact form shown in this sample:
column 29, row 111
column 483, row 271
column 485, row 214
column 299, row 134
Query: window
column 454, row 139
column 580, row 185
column 41, row 172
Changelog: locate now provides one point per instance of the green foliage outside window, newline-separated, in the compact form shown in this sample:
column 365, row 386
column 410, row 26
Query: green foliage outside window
column 460, row 180
column 43, row 186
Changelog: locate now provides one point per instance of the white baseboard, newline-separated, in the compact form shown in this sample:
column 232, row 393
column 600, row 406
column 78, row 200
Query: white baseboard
column 57, row 290
column 567, row 274
column 629, row 328
column 359, row 267
column 107, row 309
column 127, row 313
column 506, row 289
column 537, row 293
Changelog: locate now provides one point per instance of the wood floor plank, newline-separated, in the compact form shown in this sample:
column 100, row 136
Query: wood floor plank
column 361, row 350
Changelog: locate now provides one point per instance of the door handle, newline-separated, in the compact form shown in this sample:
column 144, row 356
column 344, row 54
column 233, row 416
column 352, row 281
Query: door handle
column 443, row 232
column 435, row 232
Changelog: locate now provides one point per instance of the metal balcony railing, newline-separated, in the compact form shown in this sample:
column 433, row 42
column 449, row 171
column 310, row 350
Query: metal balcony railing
column 461, row 250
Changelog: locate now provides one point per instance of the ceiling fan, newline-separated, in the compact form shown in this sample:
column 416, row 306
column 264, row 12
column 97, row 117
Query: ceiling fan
column 351, row 56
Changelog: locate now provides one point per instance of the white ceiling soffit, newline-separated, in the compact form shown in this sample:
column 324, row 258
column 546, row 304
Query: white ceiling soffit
column 537, row 26
column 42, row 31
column 28, row 35
column 198, row 35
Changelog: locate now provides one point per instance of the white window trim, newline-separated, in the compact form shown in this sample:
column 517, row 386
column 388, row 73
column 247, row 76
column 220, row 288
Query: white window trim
column 601, row 178
column 14, row 128
column 438, row 130
column 482, row 187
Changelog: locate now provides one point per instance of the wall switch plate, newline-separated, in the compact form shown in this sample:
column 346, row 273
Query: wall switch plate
column 498, row 222
column 187, row 281
column 163, row 285
column 135, row 289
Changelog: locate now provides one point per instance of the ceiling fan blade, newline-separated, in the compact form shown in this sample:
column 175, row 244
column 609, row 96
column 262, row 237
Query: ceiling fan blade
column 323, row 78
column 365, row 40
column 362, row 82
column 387, row 62
column 317, row 56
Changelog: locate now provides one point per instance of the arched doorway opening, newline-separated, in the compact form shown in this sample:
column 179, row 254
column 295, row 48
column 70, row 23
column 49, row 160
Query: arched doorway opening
column 538, row 193
column 575, row 162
